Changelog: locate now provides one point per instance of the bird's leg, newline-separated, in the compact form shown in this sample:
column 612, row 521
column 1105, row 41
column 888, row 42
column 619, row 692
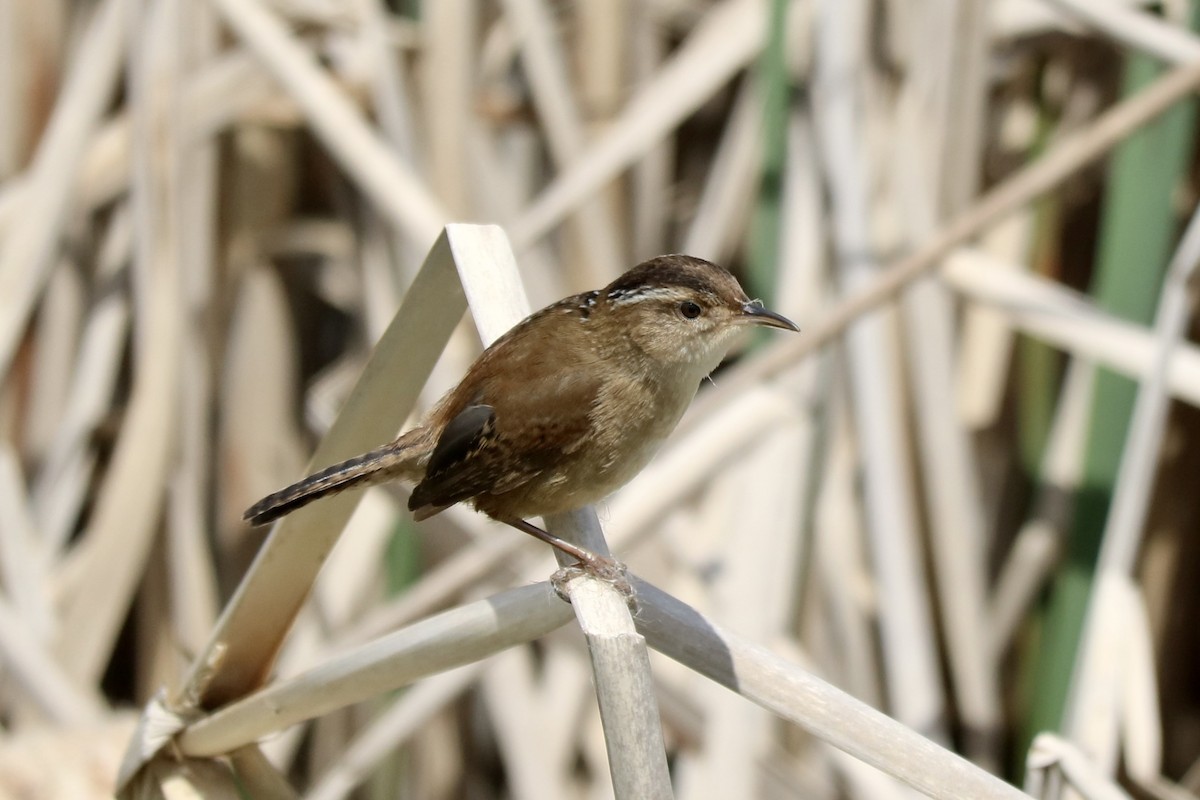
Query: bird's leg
column 602, row 567
column 594, row 563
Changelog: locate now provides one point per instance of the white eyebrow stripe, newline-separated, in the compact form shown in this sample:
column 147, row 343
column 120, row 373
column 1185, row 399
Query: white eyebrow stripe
column 625, row 298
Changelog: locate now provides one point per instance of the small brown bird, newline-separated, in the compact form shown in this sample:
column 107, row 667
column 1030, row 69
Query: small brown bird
column 563, row 409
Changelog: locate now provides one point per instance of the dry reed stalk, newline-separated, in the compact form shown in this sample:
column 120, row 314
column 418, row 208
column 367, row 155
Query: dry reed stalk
column 730, row 35
column 958, row 544
column 754, row 594
column 262, row 610
column 105, row 568
column 274, row 193
column 651, row 181
column 723, row 209
column 986, row 337
column 1102, row 676
column 1136, row 29
column 624, row 688
column 439, row 643
column 382, row 176
column 27, row 253
column 1047, row 311
column 387, row 733
column 564, row 129
column 449, row 32
column 676, row 630
column 1038, row 546
column 912, row 672
column 531, row 727
column 629, row 714
column 1070, row 156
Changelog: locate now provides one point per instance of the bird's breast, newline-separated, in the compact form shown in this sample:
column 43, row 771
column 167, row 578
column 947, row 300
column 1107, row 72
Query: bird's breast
column 632, row 418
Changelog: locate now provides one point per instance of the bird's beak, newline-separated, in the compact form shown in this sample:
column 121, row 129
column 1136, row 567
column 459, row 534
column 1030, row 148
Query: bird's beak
column 753, row 313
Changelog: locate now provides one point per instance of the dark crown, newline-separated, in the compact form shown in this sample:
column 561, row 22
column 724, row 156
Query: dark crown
column 672, row 271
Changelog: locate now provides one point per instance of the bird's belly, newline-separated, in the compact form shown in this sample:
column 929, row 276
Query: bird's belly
column 571, row 487
column 612, row 458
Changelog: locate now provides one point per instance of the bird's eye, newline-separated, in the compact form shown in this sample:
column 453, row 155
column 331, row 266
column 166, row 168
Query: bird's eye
column 689, row 309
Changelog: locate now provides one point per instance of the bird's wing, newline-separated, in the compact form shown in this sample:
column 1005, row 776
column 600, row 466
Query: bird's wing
column 458, row 465
column 492, row 448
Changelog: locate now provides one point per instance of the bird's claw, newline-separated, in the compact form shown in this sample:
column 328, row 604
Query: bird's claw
column 609, row 570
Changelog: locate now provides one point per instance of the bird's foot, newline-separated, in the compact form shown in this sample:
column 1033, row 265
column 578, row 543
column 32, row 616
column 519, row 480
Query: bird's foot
column 587, row 562
column 609, row 570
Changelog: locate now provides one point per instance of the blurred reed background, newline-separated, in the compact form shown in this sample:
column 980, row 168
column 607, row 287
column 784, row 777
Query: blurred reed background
column 971, row 503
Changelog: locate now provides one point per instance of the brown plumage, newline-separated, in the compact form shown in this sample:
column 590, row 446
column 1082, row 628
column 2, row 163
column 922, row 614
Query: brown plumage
column 564, row 408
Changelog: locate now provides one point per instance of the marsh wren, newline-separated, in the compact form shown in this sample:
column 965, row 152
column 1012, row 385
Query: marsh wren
column 563, row 409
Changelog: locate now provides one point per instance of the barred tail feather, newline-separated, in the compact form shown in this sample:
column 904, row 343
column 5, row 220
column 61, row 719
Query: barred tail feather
column 376, row 466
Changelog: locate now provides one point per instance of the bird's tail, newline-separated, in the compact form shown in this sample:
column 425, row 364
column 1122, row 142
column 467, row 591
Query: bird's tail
column 394, row 460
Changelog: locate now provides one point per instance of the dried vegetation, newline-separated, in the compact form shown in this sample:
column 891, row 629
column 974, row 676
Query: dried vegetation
column 965, row 495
